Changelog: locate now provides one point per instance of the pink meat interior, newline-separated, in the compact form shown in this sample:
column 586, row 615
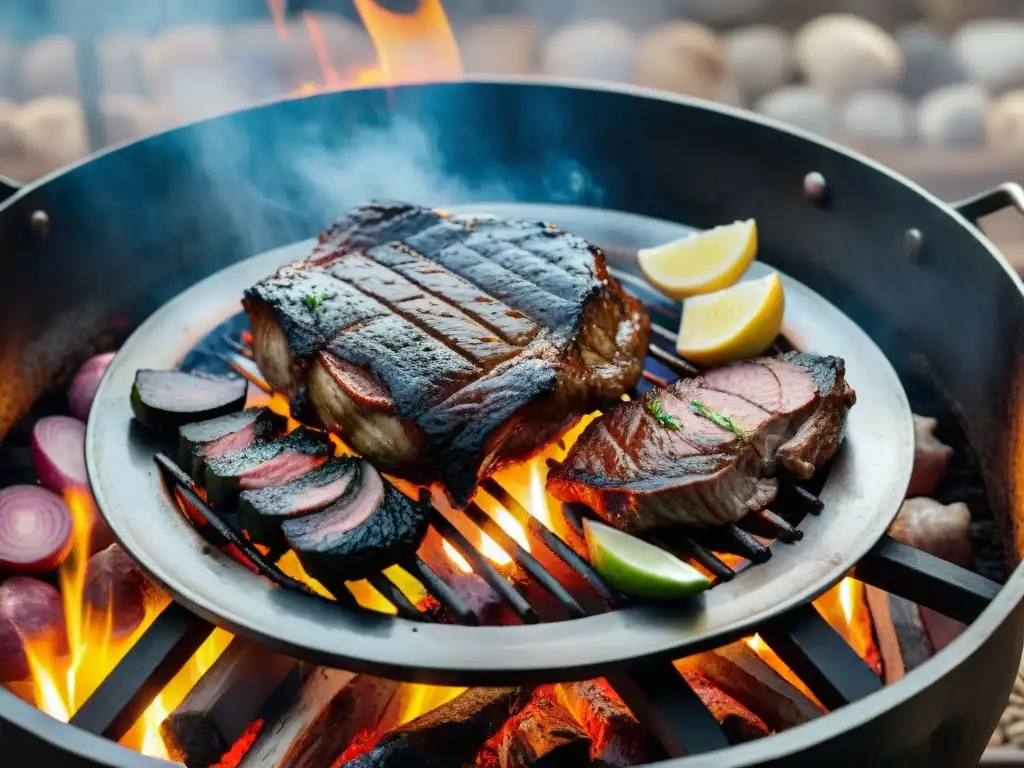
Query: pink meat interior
column 318, row 496
column 233, row 442
column 283, row 468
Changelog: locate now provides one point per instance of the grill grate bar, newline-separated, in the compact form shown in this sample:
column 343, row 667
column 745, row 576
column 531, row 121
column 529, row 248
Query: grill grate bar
column 669, row 360
column 800, row 500
column 664, row 702
column 558, row 547
column 926, row 580
column 820, row 657
column 746, row 545
column 483, row 567
column 247, row 368
column 655, row 379
column 683, row 545
column 524, row 559
column 439, row 588
column 781, row 529
column 236, row 345
column 170, row 641
column 224, row 533
column 403, row 605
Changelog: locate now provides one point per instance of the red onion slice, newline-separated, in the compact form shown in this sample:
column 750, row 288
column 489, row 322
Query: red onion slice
column 83, row 387
column 58, row 453
column 35, row 529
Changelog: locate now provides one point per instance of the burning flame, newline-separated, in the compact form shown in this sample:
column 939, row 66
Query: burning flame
column 61, row 682
column 845, row 608
column 411, row 47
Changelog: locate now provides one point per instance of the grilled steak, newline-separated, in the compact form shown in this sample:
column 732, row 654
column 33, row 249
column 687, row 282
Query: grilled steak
column 442, row 347
column 703, row 451
column 369, row 527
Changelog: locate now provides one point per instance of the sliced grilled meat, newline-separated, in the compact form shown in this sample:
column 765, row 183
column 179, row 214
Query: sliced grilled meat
column 208, row 439
column 370, row 527
column 444, row 348
column 704, row 451
column 264, row 463
column 263, row 510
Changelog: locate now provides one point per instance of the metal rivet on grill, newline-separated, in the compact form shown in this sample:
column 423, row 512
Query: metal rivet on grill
column 40, row 222
column 815, row 188
column 913, row 239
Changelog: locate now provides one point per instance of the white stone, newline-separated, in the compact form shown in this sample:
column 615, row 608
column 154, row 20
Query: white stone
column 928, row 62
column 804, row 107
column 48, row 67
column 992, row 52
column 943, row 530
column 879, row 117
column 682, row 57
column 953, row 116
column 8, row 140
column 128, row 117
column 501, row 45
column 1004, row 124
column 842, row 53
column 760, row 59
column 596, row 48
column 50, row 131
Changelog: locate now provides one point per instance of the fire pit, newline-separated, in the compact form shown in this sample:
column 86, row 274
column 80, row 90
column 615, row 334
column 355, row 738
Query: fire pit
column 867, row 246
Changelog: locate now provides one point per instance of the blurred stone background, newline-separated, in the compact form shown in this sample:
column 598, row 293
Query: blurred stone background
column 933, row 88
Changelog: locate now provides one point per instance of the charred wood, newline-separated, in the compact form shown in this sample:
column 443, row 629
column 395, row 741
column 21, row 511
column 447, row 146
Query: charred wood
column 738, row 723
column 449, row 736
column 219, row 708
column 748, row 679
column 885, row 634
column 332, row 709
column 544, row 735
column 617, row 738
column 910, row 631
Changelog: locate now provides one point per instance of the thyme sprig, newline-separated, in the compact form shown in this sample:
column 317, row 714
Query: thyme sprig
column 656, row 410
column 716, row 418
column 315, row 301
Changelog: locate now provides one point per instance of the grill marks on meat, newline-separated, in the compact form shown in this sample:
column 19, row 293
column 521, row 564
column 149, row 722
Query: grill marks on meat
column 637, row 473
column 444, row 348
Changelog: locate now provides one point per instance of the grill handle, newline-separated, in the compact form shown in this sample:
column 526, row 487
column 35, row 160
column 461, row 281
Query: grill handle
column 8, row 187
column 990, row 201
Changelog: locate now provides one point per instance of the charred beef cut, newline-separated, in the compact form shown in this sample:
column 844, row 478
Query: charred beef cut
column 263, row 510
column 264, row 463
column 208, row 439
column 369, row 528
column 443, row 348
column 638, row 471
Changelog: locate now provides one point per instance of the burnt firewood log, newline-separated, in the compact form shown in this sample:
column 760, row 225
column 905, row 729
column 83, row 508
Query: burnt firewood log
column 449, row 736
column 544, row 735
column 617, row 738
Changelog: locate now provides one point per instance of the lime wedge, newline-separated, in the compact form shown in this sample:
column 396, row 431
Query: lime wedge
column 637, row 568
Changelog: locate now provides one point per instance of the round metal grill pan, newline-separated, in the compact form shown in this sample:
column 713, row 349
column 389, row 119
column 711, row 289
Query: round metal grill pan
column 862, row 494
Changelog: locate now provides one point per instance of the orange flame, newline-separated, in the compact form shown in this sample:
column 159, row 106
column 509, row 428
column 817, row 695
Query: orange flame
column 62, row 682
column 410, row 47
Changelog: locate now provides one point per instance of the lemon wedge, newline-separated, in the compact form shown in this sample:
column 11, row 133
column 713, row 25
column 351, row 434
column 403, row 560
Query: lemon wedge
column 701, row 263
column 741, row 321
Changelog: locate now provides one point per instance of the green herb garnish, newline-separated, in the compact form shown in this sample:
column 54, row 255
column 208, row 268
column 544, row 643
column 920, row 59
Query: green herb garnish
column 315, row 301
column 654, row 408
column 716, row 418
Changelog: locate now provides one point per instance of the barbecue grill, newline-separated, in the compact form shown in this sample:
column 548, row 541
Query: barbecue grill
column 137, row 225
